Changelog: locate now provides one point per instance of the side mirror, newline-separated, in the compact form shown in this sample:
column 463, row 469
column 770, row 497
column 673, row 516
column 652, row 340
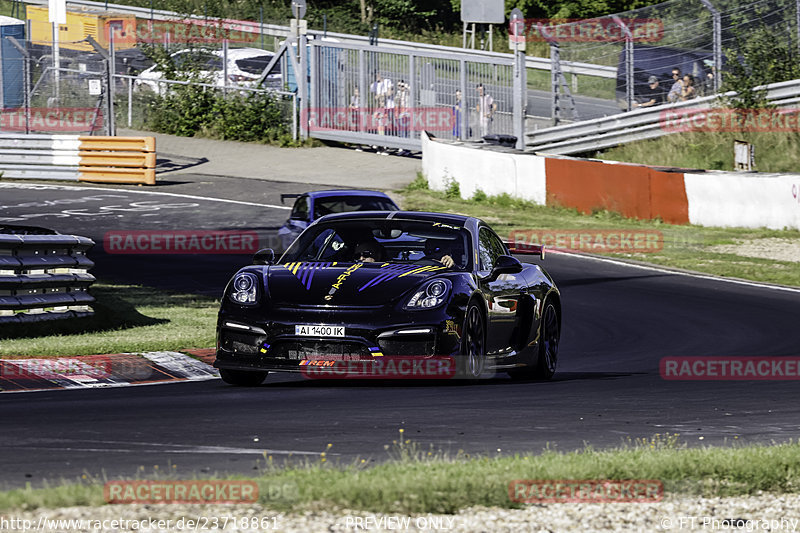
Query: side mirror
column 265, row 256
column 505, row 264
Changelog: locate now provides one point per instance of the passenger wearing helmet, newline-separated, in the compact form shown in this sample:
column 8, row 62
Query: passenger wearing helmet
column 439, row 250
column 368, row 252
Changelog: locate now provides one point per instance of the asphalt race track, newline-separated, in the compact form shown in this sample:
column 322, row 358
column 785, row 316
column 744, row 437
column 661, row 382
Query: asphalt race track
column 619, row 321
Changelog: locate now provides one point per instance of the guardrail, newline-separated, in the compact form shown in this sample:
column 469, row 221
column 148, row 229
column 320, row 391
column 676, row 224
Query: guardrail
column 43, row 275
column 79, row 158
column 247, row 26
column 637, row 125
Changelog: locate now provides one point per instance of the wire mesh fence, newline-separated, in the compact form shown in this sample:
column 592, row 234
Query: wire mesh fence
column 696, row 37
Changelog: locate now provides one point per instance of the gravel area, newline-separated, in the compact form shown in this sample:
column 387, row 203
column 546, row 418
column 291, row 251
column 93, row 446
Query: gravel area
column 772, row 248
column 765, row 512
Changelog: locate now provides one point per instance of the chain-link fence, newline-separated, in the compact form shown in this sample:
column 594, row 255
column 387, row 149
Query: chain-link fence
column 69, row 98
column 644, row 46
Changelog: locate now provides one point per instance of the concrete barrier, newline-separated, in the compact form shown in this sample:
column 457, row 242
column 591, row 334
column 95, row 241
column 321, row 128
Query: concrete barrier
column 129, row 160
column 710, row 198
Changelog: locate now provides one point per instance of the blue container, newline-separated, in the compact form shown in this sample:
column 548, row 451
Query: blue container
column 11, row 66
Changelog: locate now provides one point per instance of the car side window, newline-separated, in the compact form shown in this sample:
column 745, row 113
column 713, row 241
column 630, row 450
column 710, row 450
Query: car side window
column 498, row 248
column 487, row 249
column 300, row 209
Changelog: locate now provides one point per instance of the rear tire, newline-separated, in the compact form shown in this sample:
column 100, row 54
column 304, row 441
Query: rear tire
column 242, row 378
column 472, row 363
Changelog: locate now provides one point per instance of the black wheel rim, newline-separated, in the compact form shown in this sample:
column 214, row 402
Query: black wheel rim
column 551, row 337
column 474, row 342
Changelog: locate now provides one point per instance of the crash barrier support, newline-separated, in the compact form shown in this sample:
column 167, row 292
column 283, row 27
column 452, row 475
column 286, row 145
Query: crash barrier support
column 43, row 276
column 130, row 160
column 705, row 198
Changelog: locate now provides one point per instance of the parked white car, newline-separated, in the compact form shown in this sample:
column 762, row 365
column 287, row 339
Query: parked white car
column 245, row 66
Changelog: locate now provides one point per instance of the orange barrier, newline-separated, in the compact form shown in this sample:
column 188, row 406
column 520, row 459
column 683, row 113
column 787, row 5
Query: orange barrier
column 634, row 191
column 118, row 160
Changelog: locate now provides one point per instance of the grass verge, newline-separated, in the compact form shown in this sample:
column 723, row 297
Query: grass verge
column 684, row 246
column 774, row 152
column 127, row 318
column 420, row 481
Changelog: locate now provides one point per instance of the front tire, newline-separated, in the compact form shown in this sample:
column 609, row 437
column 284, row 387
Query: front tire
column 472, row 362
column 547, row 360
column 242, row 378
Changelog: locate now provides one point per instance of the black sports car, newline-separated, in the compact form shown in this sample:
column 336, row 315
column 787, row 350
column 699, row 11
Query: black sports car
column 367, row 286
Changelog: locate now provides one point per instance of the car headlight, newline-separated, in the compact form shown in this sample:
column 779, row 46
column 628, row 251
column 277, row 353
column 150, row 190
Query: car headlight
column 244, row 288
column 432, row 294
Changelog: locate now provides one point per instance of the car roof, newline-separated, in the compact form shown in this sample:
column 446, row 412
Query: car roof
column 248, row 52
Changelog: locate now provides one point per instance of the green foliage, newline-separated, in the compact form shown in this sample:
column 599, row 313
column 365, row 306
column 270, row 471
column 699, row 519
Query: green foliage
column 420, row 183
column 479, row 196
column 452, row 189
column 758, row 58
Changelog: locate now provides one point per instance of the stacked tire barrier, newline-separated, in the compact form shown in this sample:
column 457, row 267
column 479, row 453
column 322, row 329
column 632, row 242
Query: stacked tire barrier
column 705, row 198
column 43, row 275
column 129, row 160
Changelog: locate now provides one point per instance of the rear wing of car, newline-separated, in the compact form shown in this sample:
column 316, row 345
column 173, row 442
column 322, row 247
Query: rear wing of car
column 285, row 197
column 525, row 249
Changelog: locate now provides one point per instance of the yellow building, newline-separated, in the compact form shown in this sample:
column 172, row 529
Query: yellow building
column 80, row 24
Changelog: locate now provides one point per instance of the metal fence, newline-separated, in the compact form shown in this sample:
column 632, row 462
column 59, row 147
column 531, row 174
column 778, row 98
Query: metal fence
column 386, row 97
column 597, row 68
column 696, row 36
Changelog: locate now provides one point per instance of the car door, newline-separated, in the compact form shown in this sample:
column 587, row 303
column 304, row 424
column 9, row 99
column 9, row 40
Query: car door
column 503, row 295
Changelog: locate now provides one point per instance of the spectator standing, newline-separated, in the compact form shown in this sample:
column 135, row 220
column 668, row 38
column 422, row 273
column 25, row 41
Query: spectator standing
column 458, row 109
column 383, row 89
column 486, row 109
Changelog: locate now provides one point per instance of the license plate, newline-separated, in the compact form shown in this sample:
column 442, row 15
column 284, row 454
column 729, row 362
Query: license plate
column 310, row 330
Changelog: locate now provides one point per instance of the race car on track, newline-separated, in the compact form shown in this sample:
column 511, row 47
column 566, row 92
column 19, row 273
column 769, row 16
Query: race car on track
column 310, row 206
column 368, row 286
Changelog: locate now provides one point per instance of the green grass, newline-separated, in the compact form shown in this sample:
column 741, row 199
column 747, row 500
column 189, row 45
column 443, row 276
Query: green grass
column 127, row 319
column 417, row 480
column 685, row 246
column 774, row 152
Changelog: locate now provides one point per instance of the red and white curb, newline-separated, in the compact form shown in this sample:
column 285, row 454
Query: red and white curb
column 111, row 370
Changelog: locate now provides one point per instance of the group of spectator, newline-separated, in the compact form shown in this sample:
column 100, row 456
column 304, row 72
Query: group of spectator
column 683, row 88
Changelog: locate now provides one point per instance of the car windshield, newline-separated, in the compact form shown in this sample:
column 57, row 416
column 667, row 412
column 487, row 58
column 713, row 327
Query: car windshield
column 364, row 240
column 343, row 204
column 256, row 65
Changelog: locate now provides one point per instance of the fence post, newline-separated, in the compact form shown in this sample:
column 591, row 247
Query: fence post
column 463, row 112
column 130, row 102
column 717, row 20
column 520, row 86
column 302, row 85
column 411, row 100
column 629, row 79
column 555, row 62
column 224, row 67
column 362, row 88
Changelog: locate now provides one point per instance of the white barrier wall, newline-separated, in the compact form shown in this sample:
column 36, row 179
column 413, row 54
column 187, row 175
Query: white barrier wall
column 493, row 172
column 732, row 199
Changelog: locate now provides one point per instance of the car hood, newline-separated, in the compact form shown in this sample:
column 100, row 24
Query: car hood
column 352, row 284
